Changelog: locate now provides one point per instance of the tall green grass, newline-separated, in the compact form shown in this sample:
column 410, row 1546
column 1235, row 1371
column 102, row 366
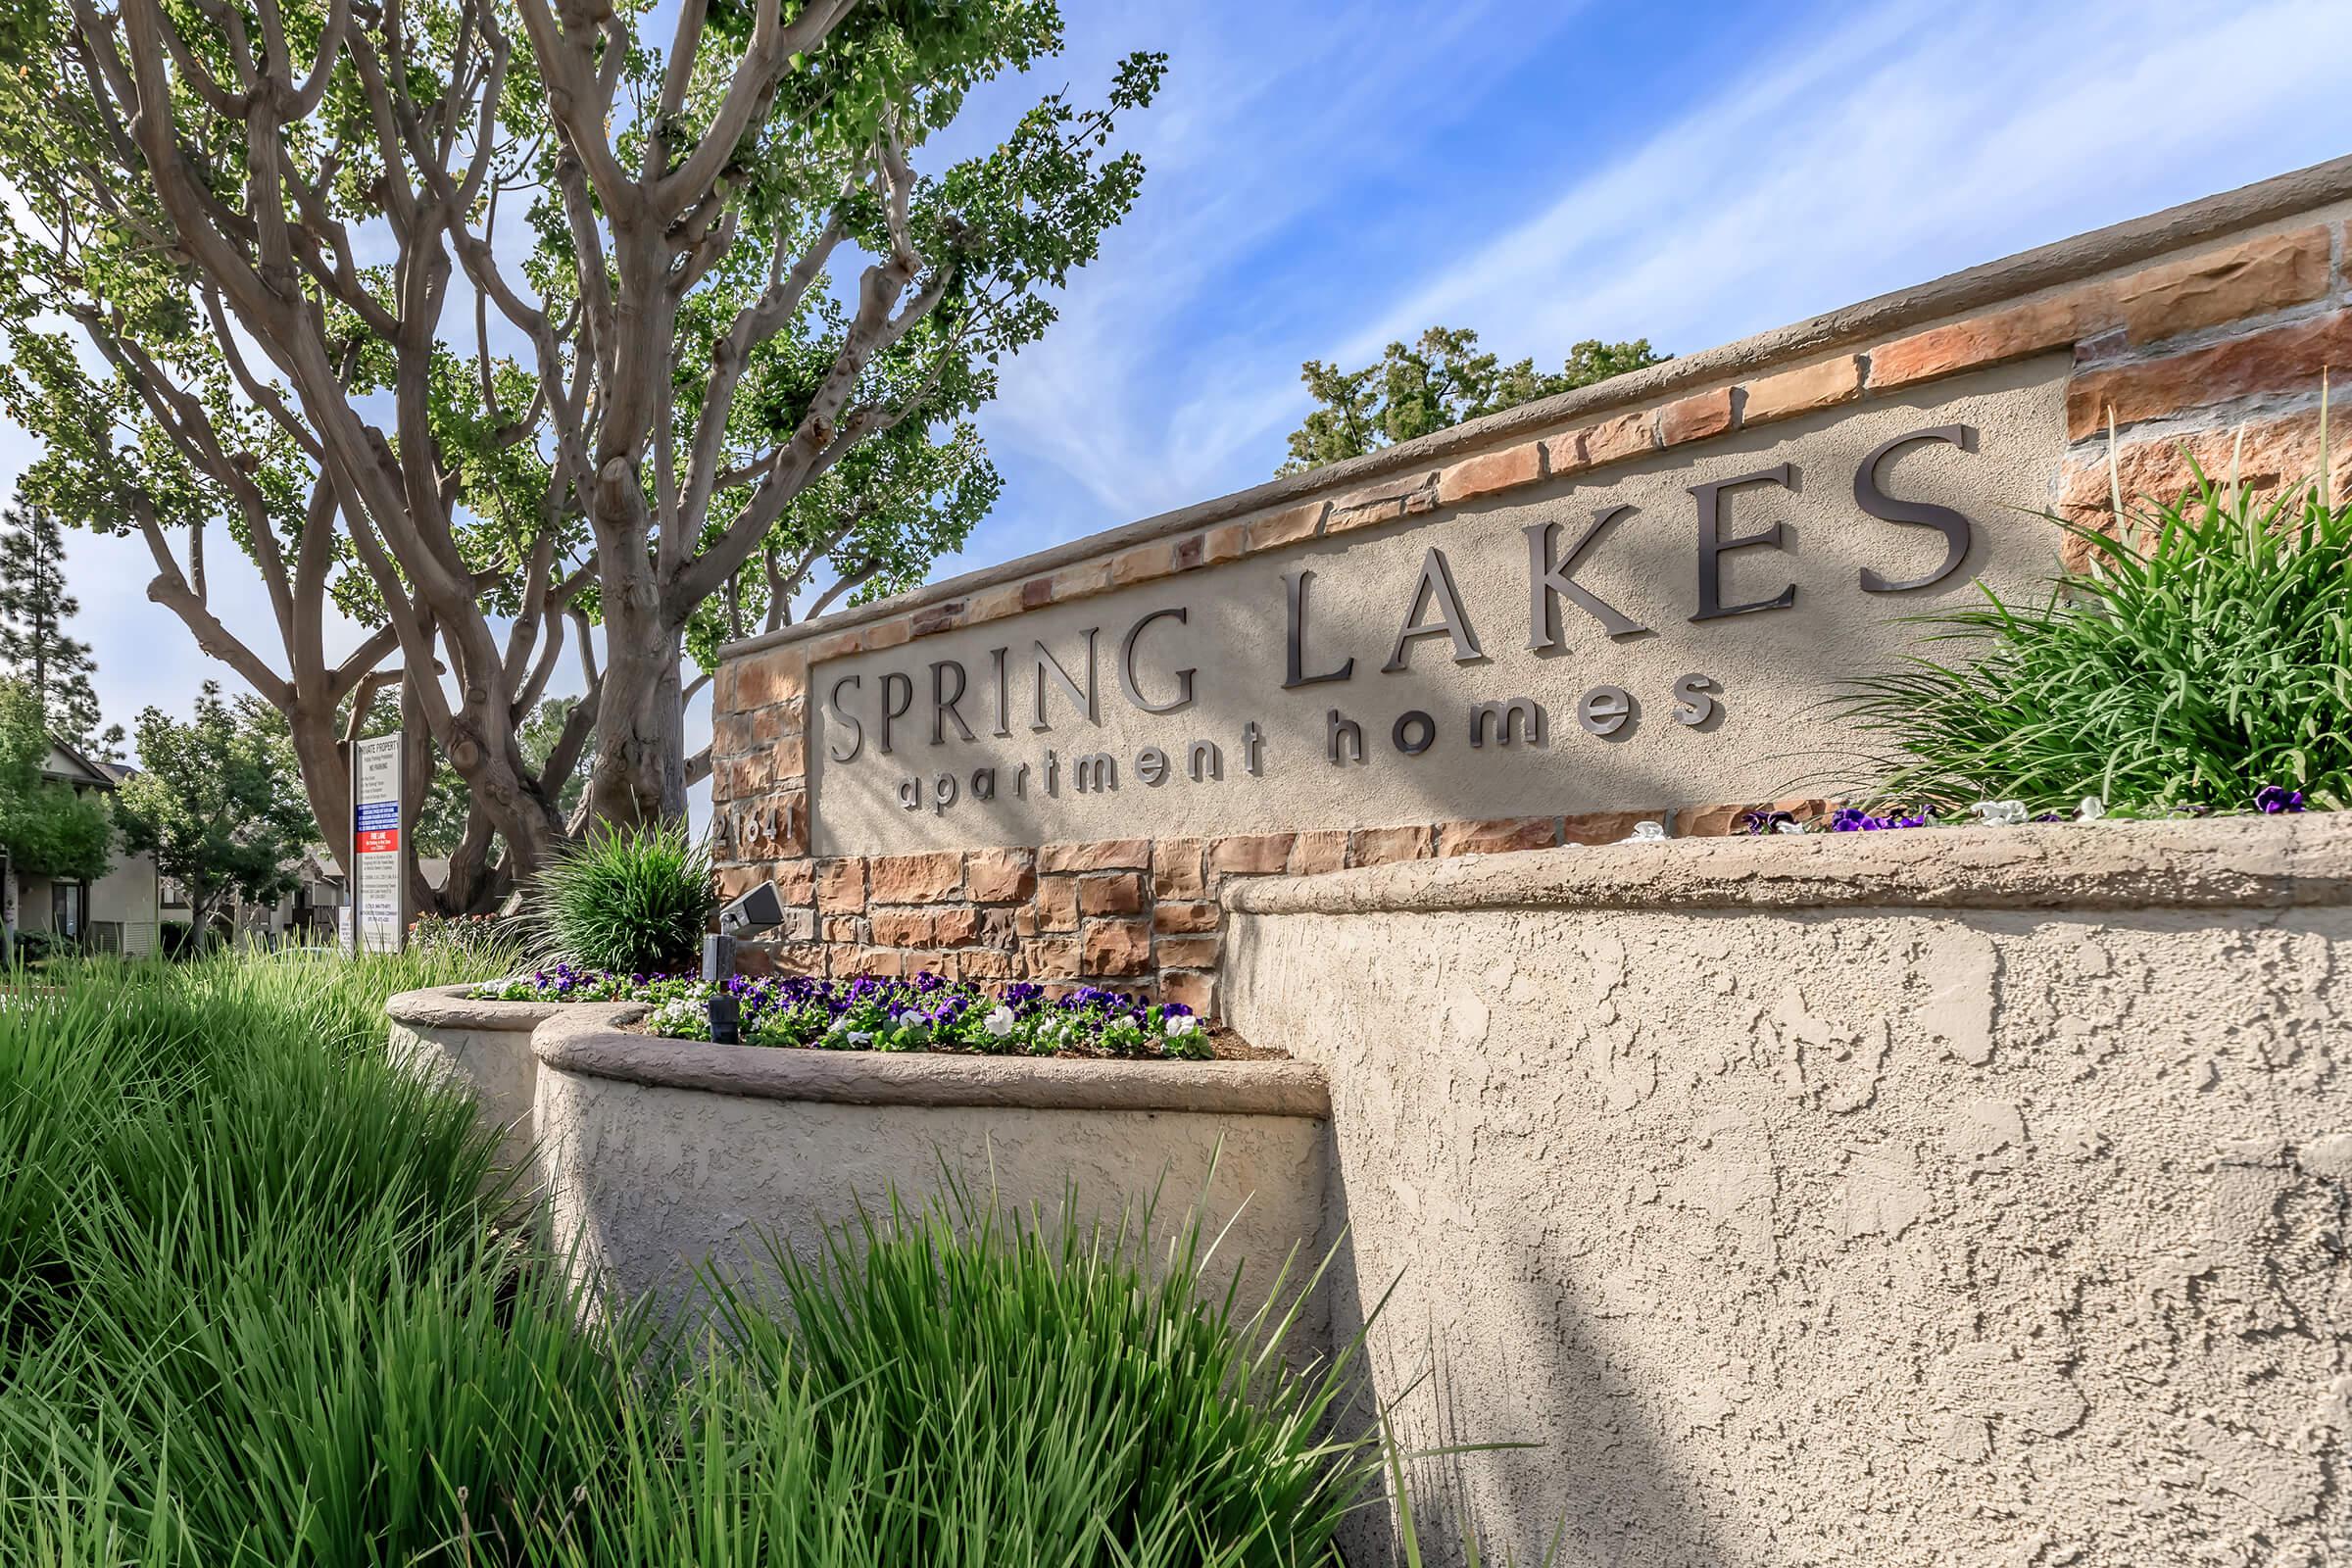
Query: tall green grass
column 260, row 1305
column 2204, row 655
column 630, row 900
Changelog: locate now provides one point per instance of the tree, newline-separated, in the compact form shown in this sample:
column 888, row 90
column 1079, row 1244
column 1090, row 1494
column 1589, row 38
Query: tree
column 267, row 223
column 215, row 803
column 1437, row 382
column 46, row 828
column 34, row 608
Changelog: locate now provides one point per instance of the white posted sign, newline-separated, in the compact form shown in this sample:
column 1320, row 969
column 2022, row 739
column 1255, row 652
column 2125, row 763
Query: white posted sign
column 378, row 894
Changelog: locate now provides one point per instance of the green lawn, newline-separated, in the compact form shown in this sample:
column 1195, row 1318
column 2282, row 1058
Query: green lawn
column 261, row 1303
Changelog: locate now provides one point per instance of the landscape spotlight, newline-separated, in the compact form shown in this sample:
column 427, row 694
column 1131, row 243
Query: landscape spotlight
column 754, row 910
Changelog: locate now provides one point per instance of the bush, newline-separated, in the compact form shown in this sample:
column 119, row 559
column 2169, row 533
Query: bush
column 633, row 901
column 257, row 1307
column 2203, row 658
column 944, row 1387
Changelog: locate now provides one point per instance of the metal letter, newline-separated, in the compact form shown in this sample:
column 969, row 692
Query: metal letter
column 943, row 702
column 1546, row 584
column 1337, row 729
column 911, row 793
column 1127, row 685
column 1498, row 717
column 1207, row 763
column 1094, row 770
column 1414, row 718
column 1918, row 513
column 943, row 793
column 984, row 783
column 1252, row 740
column 1712, row 544
column 996, row 657
column 906, row 685
column 1083, row 700
column 1151, row 765
column 833, row 701
column 1434, row 589
column 1294, row 585
column 1691, row 703
column 1604, row 709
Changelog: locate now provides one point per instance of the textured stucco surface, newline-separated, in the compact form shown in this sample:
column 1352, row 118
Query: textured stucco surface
column 447, row 1035
column 1816, row 1232
column 650, row 1177
column 1771, row 671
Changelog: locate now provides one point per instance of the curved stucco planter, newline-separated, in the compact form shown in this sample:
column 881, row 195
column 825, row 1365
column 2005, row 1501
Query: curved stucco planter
column 1970, row 1195
column 656, row 1154
column 450, row 1037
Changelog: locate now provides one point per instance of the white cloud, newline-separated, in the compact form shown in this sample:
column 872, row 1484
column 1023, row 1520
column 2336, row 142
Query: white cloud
column 1913, row 142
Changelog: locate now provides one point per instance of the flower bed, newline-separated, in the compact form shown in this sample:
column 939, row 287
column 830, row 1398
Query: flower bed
column 871, row 1012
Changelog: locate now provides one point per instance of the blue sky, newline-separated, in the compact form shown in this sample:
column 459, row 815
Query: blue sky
column 1326, row 177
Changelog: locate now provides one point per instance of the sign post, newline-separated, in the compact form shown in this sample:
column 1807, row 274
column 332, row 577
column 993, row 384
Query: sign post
column 378, row 892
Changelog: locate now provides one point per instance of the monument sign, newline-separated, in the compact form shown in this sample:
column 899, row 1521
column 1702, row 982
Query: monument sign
column 1676, row 629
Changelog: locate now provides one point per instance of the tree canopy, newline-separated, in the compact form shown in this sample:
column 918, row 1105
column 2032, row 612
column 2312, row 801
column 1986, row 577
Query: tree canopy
column 1438, row 381
column 492, row 321
column 46, row 827
column 216, row 803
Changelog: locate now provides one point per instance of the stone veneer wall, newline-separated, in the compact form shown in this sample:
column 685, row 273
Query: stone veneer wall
column 2186, row 328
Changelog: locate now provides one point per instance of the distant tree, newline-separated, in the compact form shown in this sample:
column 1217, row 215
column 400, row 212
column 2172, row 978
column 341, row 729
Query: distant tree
column 46, row 828
column 216, row 804
column 34, row 608
column 1434, row 384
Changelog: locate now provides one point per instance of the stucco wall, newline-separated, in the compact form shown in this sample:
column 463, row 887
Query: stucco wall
column 656, row 1155
column 484, row 1046
column 1952, row 1197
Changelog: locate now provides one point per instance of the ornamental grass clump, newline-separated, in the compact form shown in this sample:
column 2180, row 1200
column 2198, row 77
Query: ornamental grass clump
column 626, row 900
column 262, row 1303
column 2202, row 662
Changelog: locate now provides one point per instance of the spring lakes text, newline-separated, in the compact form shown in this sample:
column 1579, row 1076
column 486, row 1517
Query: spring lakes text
column 887, row 714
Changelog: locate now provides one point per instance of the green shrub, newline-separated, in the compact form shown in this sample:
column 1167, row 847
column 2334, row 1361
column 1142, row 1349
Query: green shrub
column 630, row 900
column 257, row 1309
column 2203, row 658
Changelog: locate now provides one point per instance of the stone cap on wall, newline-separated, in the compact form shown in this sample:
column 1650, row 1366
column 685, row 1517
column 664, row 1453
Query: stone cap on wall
column 2229, row 862
column 595, row 1048
column 2011, row 279
column 450, row 1008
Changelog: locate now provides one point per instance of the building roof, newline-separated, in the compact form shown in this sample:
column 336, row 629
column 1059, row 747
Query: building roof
column 71, row 764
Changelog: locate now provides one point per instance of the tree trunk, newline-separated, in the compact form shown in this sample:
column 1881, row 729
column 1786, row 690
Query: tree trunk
column 320, row 760
column 640, row 773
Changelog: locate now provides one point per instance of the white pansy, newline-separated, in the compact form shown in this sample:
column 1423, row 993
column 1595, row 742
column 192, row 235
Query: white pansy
column 2091, row 809
column 1000, row 1023
column 2000, row 813
column 860, row 1038
column 1646, row 833
column 1787, row 827
column 1179, row 1027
